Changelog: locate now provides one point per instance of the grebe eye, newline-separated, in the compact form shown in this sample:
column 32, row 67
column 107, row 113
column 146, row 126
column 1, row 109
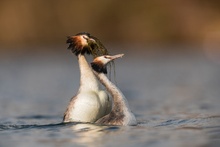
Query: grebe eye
column 85, row 37
column 107, row 57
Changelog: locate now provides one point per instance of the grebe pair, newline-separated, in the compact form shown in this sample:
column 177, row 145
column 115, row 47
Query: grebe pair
column 91, row 104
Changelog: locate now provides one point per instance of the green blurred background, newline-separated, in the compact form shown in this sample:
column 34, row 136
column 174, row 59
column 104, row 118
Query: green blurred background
column 26, row 23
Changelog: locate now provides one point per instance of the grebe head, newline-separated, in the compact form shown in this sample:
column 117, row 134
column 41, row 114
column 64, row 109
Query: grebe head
column 84, row 43
column 99, row 63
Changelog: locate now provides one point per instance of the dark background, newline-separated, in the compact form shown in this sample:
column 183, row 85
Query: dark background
column 28, row 23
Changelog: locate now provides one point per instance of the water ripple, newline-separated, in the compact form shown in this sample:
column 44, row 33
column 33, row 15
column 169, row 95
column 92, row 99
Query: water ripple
column 31, row 126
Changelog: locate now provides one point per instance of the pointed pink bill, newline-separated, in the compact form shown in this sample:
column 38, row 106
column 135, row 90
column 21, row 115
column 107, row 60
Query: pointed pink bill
column 116, row 56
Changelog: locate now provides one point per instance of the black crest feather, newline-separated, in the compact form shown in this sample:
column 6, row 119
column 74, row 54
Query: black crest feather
column 98, row 68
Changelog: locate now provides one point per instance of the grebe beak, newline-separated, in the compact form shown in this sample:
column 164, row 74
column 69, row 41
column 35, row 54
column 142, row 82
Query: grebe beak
column 116, row 56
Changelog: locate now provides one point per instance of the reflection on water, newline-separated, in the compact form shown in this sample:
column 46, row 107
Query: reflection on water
column 191, row 132
column 88, row 134
column 175, row 99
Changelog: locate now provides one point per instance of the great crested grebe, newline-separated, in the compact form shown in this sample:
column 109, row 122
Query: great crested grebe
column 121, row 113
column 91, row 103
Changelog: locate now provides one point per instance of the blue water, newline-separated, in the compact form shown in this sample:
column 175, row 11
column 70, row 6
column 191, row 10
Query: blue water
column 174, row 132
column 174, row 97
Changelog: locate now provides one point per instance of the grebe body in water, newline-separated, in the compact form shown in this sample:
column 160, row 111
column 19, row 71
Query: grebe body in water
column 91, row 103
column 121, row 113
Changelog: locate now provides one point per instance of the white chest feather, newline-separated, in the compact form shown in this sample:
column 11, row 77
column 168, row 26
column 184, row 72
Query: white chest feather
column 90, row 106
column 91, row 103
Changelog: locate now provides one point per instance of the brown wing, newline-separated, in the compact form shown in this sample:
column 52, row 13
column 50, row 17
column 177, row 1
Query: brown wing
column 111, row 119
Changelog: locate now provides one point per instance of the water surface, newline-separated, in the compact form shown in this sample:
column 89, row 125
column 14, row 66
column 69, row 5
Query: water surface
column 174, row 97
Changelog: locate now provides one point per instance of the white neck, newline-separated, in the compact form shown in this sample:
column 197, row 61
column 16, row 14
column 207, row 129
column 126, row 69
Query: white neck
column 88, row 81
column 120, row 102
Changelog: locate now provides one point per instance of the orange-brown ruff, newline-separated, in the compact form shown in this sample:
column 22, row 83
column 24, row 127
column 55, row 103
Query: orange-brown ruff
column 84, row 43
column 121, row 113
column 78, row 45
column 91, row 103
